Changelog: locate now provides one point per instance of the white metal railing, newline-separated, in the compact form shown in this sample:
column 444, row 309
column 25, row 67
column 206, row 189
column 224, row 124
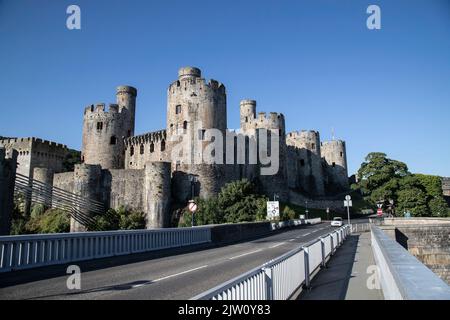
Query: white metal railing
column 30, row 251
column 280, row 278
column 360, row 227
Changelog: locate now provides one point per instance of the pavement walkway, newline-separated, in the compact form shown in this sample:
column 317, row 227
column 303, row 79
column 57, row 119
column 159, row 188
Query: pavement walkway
column 349, row 273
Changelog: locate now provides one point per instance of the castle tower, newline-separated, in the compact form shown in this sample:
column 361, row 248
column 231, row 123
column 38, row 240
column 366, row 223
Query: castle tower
column 190, row 99
column 157, row 194
column 335, row 155
column 247, row 112
column 253, row 125
column 126, row 99
column 43, row 192
column 307, row 161
column 193, row 107
column 104, row 130
column 86, row 184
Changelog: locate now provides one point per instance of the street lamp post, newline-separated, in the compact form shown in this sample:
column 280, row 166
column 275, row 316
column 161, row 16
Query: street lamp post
column 306, row 211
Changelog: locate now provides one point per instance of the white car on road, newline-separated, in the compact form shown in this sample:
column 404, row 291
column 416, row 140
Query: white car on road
column 336, row 222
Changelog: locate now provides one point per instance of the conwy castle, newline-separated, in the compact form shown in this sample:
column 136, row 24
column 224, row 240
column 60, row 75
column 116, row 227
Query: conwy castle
column 141, row 172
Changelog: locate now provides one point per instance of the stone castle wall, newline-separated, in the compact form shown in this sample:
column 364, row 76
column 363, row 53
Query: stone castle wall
column 141, row 149
column 117, row 187
column 35, row 152
column 305, row 162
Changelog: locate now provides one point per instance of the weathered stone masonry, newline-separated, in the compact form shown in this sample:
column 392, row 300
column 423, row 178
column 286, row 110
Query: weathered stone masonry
column 8, row 164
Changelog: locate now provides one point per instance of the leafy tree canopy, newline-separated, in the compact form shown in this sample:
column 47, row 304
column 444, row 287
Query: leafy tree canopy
column 383, row 180
column 238, row 201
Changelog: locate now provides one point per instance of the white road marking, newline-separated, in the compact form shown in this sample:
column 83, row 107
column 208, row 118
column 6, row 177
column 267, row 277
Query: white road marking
column 292, row 239
column 244, row 254
column 277, row 245
column 307, row 234
column 172, row 275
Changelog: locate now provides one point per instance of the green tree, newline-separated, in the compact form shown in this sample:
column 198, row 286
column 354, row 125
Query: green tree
column 432, row 184
column 288, row 213
column 438, row 207
column 385, row 179
column 413, row 200
column 378, row 170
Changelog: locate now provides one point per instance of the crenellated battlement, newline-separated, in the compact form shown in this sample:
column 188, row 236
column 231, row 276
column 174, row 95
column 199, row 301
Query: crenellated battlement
column 34, row 140
column 303, row 134
column 271, row 120
column 149, row 137
column 191, row 77
column 100, row 109
column 336, row 143
column 48, row 143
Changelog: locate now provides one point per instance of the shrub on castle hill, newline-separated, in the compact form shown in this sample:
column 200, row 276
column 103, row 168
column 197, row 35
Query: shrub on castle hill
column 41, row 220
column 119, row 219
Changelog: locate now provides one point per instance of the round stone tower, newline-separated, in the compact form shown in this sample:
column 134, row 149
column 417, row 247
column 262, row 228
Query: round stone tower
column 157, row 194
column 335, row 154
column 193, row 107
column 126, row 99
column 308, row 161
column 86, row 184
column 43, row 192
column 247, row 112
column 104, row 130
column 190, row 99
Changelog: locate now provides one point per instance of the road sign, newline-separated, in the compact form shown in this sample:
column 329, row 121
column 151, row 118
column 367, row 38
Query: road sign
column 273, row 209
column 192, row 206
column 348, row 204
column 379, row 211
column 379, row 205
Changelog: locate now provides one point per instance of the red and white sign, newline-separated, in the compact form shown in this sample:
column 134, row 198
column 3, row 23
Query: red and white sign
column 192, row 207
column 379, row 211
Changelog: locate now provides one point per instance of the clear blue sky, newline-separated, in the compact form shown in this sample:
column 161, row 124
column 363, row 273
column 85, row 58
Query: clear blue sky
column 315, row 61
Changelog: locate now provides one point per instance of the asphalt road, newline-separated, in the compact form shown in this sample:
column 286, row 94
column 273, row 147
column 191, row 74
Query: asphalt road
column 177, row 276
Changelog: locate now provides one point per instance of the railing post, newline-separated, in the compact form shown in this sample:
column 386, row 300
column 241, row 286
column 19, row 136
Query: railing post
column 268, row 279
column 306, row 259
column 332, row 244
column 322, row 245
